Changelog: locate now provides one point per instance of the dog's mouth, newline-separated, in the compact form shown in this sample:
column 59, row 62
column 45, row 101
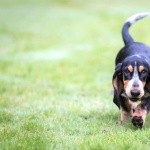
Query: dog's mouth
column 134, row 99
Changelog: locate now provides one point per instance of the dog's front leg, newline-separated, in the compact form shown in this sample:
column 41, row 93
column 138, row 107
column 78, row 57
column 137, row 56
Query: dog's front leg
column 125, row 115
column 140, row 113
column 127, row 108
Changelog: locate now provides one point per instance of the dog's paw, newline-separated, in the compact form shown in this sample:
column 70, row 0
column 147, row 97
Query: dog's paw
column 138, row 121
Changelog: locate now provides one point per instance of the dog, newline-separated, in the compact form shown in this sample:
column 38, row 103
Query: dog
column 131, row 79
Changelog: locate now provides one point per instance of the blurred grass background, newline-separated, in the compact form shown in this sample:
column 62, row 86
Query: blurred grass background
column 56, row 66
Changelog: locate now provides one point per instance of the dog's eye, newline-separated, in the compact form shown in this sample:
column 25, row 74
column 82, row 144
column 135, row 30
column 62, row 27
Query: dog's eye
column 144, row 72
column 127, row 72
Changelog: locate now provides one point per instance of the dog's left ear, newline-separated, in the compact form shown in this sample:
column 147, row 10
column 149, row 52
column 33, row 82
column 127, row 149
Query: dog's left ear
column 117, row 84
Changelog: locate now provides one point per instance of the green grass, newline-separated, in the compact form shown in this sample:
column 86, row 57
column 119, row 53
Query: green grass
column 56, row 65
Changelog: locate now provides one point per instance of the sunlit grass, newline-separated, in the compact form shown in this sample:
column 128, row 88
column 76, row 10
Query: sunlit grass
column 56, row 64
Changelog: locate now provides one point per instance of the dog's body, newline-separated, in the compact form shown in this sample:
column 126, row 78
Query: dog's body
column 131, row 80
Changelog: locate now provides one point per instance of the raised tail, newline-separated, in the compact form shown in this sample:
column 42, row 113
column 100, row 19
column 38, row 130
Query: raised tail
column 125, row 29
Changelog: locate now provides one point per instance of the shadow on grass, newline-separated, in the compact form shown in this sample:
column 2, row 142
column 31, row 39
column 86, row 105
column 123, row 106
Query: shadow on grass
column 109, row 120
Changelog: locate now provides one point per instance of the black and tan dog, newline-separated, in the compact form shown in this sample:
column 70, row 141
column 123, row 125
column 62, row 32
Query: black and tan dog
column 131, row 80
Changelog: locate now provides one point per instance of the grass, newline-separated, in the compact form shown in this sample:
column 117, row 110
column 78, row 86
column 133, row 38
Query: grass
column 56, row 64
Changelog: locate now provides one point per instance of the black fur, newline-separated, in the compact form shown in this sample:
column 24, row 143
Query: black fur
column 132, row 52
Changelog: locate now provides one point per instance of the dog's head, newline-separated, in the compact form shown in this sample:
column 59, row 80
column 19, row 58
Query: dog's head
column 131, row 77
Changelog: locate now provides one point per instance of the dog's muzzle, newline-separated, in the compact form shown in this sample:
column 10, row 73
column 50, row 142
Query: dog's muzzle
column 134, row 99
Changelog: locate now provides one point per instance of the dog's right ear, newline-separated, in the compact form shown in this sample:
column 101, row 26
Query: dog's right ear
column 117, row 84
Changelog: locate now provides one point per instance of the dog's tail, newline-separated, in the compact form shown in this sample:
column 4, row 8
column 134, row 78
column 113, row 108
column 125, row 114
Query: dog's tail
column 125, row 33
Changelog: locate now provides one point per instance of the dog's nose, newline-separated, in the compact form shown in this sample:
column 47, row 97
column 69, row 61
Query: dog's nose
column 135, row 93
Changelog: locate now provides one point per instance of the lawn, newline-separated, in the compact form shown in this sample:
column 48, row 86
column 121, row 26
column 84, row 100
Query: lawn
column 56, row 66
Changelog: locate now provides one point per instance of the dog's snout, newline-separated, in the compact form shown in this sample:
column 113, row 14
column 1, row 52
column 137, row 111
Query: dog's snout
column 135, row 93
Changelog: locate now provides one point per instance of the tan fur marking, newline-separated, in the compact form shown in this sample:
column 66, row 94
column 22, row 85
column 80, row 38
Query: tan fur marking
column 130, row 68
column 143, row 83
column 140, row 112
column 133, row 106
column 141, row 68
column 118, row 85
column 125, row 83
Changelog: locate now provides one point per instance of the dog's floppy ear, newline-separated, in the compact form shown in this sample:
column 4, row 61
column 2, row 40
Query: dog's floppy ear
column 117, row 84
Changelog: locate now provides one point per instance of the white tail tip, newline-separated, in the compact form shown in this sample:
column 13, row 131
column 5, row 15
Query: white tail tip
column 137, row 17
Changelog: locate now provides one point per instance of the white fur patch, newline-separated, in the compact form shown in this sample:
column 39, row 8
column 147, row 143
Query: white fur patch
column 137, row 17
